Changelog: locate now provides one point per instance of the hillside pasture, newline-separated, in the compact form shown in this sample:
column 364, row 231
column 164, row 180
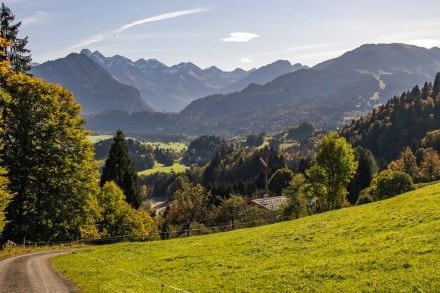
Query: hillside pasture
column 385, row 246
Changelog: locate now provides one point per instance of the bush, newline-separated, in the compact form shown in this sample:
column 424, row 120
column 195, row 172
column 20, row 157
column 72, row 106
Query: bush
column 391, row 183
column 364, row 198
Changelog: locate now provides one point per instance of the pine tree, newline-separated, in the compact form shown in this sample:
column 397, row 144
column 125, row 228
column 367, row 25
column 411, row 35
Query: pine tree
column 120, row 169
column 367, row 168
column 17, row 53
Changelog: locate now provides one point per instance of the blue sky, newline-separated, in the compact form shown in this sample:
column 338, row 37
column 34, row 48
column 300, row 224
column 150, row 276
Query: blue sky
column 224, row 33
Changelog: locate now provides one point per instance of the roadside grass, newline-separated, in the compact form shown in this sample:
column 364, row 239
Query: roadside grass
column 385, row 246
column 14, row 250
column 158, row 167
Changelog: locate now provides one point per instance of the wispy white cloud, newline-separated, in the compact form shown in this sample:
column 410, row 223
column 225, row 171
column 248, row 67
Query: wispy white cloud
column 240, row 37
column 38, row 16
column 99, row 37
column 427, row 43
column 159, row 17
column 90, row 40
column 246, row 60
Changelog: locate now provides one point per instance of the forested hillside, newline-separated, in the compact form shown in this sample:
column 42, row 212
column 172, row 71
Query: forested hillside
column 404, row 121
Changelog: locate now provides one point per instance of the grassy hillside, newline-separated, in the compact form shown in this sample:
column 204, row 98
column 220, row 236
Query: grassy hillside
column 387, row 246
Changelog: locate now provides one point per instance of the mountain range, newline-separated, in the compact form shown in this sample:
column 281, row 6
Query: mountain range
column 328, row 94
column 170, row 89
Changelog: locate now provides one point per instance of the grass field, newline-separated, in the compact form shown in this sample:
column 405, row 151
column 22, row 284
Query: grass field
column 97, row 138
column 176, row 146
column 386, row 246
column 158, row 167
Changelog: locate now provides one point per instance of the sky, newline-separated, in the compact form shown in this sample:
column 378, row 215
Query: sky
column 224, row 33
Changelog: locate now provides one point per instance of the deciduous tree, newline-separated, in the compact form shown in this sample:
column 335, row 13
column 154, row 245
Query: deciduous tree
column 233, row 209
column 5, row 195
column 119, row 218
column 430, row 165
column 50, row 162
column 406, row 163
column 334, row 167
column 295, row 192
column 190, row 206
column 390, row 183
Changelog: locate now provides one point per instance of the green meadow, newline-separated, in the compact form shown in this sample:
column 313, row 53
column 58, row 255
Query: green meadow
column 386, row 246
column 176, row 146
column 158, row 167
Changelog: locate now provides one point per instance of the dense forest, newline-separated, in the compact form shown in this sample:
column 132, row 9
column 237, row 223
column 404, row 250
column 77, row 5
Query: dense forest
column 402, row 122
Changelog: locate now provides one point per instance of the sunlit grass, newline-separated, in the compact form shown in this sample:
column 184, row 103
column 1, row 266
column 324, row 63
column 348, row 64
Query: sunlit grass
column 176, row 146
column 97, row 138
column 158, row 167
column 386, row 246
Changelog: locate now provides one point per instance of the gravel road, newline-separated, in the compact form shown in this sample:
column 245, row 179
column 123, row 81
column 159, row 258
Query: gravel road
column 32, row 273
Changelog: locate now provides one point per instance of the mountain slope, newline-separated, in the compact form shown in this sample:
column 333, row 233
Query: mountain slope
column 386, row 246
column 94, row 88
column 327, row 94
column 264, row 75
column 166, row 88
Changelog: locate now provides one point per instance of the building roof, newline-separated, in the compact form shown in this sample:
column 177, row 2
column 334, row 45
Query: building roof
column 271, row 203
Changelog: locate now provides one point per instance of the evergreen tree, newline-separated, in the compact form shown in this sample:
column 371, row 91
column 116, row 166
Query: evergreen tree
column 120, row 169
column 280, row 180
column 17, row 53
column 334, row 167
column 50, row 162
column 367, row 168
column 436, row 87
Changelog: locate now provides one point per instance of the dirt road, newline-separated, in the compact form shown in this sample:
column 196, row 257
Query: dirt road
column 32, row 273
